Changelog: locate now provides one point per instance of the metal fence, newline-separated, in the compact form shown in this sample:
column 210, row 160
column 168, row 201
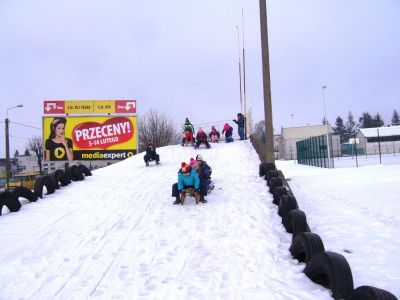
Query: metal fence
column 314, row 152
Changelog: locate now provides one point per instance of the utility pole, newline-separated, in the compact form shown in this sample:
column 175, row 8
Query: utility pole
column 269, row 133
column 244, row 82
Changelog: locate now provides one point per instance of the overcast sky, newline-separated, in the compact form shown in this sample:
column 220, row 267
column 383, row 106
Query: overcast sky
column 181, row 58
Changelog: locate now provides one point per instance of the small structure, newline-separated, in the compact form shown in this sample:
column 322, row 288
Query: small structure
column 291, row 135
column 384, row 140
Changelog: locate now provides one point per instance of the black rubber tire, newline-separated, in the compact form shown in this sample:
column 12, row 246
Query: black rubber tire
column 24, row 192
column 270, row 174
column 264, row 167
column 84, row 170
column 40, row 183
column 62, row 178
column 75, row 174
column 332, row 271
column 9, row 200
column 371, row 293
column 55, row 181
column 275, row 181
column 278, row 192
column 297, row 222
column 286, row 204
column 305, row 245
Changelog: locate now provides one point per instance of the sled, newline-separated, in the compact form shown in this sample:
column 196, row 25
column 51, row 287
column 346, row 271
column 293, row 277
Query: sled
column 150, row 160
column 191, row 193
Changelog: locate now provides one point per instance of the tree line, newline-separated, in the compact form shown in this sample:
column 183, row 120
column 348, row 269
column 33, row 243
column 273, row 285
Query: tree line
column 346, row 130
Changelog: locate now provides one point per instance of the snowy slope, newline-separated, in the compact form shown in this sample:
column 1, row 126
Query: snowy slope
column 116, row 235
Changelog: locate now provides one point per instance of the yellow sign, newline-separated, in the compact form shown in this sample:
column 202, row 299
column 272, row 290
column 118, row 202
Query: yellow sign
column 79, row 107
column 103, row 106
column 89, row 137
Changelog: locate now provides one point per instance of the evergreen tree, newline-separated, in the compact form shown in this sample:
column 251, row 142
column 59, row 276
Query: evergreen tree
column 351, row 127
column 366, row 120
column 16, row 153
column 340, row 129
column 395, row 118
column 27, row 152
column 378, row 121
column 324, row 121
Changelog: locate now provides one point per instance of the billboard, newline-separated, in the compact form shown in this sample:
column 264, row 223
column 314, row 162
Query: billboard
column 89, row 137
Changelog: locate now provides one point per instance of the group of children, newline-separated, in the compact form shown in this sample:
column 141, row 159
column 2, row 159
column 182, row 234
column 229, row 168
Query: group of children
column 214, row 135
column 196, row 177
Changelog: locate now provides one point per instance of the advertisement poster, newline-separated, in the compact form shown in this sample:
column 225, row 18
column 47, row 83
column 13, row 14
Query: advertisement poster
column 89, row 137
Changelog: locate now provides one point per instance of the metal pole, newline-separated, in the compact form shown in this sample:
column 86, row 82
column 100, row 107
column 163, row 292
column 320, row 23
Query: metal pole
column 244, row 82
column 326, row 125
column 240, row 72
column 7, row 155
column 291, row 123
column 269, row 133
column 379, row 145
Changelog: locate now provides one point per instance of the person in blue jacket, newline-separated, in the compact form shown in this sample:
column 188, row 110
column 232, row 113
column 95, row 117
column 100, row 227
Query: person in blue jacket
column 187, row 179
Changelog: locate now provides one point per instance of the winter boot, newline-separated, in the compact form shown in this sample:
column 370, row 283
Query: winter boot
column 202, row 200
column 157, row 162
column 147, row 163
column 177, row 201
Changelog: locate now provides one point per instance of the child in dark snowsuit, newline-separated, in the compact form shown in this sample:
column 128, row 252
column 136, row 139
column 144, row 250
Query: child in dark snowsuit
column 214, row 135
column 240, row 123
column 228, row 133
column 201, row 138
column 151, row 154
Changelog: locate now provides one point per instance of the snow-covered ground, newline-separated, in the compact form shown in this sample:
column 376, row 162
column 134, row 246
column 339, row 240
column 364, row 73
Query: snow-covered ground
column 116, row 235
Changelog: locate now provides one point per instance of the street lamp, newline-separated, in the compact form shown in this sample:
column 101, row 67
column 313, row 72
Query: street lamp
column 8, row 147
column 326, row 126
column 240, row 72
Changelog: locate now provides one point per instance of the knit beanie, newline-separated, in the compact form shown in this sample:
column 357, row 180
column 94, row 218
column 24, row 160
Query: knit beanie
column 199, row 157
column 184, row 167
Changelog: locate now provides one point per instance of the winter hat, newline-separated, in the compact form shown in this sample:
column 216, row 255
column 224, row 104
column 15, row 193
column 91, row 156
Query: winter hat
column 200, row 129
column 226, row 126
column 150, row 143
column 184, row 167
column 199, row 157
column 192, row 162
column 187, row 120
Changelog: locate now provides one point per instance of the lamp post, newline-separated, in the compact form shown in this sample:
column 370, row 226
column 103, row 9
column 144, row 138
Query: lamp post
column 8, row 146
column 240, row 72
column 326, row 126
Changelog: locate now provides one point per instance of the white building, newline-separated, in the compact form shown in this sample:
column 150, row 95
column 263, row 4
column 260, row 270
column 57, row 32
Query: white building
column 385, row 138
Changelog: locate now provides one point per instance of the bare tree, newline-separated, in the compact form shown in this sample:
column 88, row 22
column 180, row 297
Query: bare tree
column 35, row 144
column 156, row 127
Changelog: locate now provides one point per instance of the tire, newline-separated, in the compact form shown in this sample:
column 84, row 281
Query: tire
column 40, row 183
column 75, row 174
column 55, row 181
column 278, row 192
column 264, row 167
column 9, row 200
column 275, row 181
column 297, row 222
column 21, row 191
column 270, row 174
column 305, row 245
column 332, row 271
column 62, row 178
column 84, row 170
column 371, row 293
column 286, row 204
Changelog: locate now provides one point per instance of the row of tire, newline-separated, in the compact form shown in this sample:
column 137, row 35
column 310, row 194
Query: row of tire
column 326, row 268
column 51, row 182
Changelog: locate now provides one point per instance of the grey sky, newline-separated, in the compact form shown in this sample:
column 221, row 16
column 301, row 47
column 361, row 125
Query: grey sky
column 181, row 57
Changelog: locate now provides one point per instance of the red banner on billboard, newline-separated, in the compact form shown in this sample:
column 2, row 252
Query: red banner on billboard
column 53, row 107
column 125, row 106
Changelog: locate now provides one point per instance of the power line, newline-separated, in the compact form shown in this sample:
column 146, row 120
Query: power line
column 26, row 125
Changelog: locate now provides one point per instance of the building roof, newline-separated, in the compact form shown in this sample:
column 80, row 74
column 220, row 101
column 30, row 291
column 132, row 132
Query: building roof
column 383, row 131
